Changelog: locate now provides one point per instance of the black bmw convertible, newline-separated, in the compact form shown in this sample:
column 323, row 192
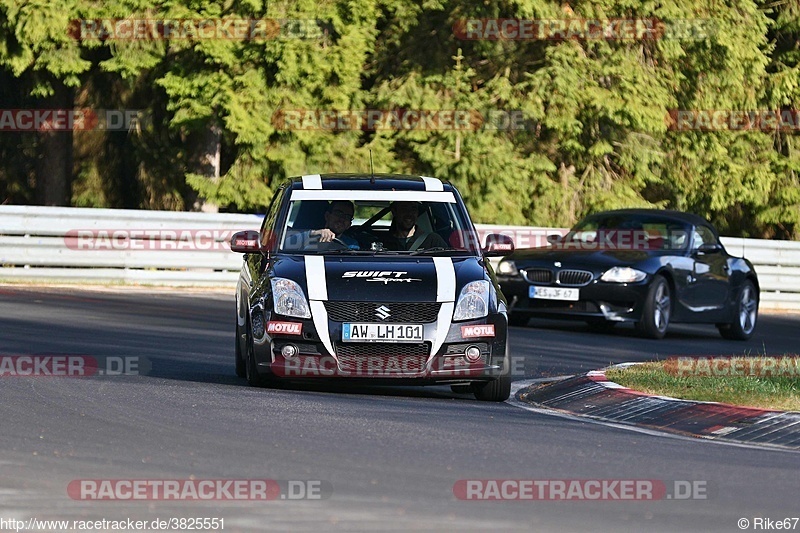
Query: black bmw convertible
column 646, row 266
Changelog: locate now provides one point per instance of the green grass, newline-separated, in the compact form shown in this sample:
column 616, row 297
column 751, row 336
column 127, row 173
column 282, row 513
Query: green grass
column 763, row 382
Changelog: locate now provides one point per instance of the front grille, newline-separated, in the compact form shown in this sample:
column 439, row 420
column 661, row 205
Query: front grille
column 398, row 312
column 575, row 278
column 382, row 358
column 538, row 275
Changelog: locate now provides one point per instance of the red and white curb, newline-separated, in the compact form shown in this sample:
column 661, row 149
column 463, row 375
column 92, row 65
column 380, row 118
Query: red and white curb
column 593, row 397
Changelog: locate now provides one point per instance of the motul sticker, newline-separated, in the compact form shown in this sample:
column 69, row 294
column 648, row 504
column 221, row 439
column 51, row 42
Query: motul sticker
column 287, row 328
column 483, row 330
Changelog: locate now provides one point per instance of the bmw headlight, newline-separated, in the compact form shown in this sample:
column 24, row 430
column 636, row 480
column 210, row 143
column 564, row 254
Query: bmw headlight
column 473, row 302
column 507, row 268
column 623, row 275
column 289, row 298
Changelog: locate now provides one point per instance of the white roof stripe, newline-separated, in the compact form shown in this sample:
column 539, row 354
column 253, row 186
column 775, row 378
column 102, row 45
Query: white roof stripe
column 432, row 184
column 312, row 181
column 387, row 196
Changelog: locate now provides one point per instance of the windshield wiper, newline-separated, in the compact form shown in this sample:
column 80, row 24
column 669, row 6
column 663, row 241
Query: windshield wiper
column 435, row 250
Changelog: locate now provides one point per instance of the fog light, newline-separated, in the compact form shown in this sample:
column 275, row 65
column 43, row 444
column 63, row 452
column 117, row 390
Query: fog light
column 473, row 354
column 289, row 351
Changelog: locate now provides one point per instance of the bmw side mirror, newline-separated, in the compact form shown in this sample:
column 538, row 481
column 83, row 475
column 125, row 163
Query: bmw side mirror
column 245, row 242
column 709, row 248
column 498, row 245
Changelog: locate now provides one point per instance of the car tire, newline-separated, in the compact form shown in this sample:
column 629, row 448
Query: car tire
column 746, row 308
column 499, row 389
column 518, row 319
column 241, row 365
column 601, row 325
column 657, row 309
column 254, row 379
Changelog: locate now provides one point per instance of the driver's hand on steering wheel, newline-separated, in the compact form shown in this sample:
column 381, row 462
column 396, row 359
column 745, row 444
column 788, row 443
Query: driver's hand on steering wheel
column 325, row 235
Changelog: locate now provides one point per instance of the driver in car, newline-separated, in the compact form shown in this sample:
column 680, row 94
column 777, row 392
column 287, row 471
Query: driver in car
column 338, row 218
column 404, row 234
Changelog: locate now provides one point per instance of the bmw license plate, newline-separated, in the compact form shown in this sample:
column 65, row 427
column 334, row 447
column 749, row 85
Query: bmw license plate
column 554, row 293
column 361, row 332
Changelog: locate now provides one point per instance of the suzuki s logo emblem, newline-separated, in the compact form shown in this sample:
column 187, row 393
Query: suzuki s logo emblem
column 558, row 264
column 382, row 276
column 382, row 312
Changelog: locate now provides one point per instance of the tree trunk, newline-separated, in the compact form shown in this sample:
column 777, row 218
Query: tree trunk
column 210, row 148
column 54, row 163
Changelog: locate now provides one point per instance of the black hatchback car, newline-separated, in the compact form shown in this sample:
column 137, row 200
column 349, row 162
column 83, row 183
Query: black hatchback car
column 649, row 267
column 371, row 279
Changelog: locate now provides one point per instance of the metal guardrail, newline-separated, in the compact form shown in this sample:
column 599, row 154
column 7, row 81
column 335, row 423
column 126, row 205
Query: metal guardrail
column 80, row 245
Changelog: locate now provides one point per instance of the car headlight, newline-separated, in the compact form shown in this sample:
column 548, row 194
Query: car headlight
column 473, row 302
column 289, row 298
column 507, row 268
column 623, row 275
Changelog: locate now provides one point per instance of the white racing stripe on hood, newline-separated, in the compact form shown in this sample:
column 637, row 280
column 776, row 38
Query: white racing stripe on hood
column 445, row 293
column 315, row 278
column 317, row 295
column 445, row 279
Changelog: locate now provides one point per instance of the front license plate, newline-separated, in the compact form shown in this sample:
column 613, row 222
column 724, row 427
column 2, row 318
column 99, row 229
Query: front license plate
column 554, row 293
column 358, row 332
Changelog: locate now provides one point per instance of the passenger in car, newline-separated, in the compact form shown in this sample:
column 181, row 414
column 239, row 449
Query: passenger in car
column 404, row 234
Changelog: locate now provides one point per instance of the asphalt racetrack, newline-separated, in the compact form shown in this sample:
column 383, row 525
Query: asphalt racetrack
column 344, row 458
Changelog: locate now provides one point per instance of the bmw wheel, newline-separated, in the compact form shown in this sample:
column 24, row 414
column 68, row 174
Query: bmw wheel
column 657, row 310
column 746, row 314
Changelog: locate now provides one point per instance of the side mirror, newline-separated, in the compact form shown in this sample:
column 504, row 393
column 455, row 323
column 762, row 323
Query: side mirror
column 498, row 245
column 244, row 242
column 555, row 238
column 708, row 248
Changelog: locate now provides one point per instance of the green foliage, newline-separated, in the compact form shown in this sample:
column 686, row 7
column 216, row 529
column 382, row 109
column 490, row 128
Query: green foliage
column 590, row 130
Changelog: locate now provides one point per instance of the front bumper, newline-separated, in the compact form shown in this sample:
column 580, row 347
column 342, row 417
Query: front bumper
column 389, row 361
column 619, row 302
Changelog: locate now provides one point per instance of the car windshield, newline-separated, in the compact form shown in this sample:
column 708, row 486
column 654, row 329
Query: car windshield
column 629, row 232
column 377, row 226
